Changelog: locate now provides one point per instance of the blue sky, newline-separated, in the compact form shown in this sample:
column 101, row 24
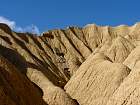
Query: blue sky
column 52, row 14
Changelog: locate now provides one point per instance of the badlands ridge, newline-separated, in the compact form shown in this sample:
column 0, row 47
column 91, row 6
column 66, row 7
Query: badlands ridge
column 93, row 65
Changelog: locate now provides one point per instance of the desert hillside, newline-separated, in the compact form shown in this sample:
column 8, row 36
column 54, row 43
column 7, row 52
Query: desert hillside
column 92, row 65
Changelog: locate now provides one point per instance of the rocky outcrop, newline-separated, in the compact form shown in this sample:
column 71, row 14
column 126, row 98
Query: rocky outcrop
column 120, row 49
column 52, row 94
column 132, row 61
column 93, row 65
column 15, row 88
column 44, row 65
column 129, row 91
column 94, row 84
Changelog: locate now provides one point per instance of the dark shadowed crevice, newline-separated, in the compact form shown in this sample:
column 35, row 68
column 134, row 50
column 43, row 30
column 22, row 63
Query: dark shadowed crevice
column 5, row 28
column 14, row 57
column 6, row 39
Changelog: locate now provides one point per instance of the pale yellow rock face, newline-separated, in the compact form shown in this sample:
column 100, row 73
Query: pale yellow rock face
column 93, row 65
column 132, row 60
column 52, row 94
column 94, row 84
column 120, row 49
column 129, row 91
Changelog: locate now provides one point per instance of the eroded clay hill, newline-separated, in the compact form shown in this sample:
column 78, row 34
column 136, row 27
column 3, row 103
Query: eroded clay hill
column 93, row 65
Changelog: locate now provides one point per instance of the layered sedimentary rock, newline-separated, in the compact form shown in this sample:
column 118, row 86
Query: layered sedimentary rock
column 93, row 65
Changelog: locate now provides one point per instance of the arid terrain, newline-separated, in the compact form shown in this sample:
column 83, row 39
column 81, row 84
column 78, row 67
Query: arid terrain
column 92, row 65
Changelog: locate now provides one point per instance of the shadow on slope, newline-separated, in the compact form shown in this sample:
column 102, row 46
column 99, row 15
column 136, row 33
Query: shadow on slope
column 14, row 57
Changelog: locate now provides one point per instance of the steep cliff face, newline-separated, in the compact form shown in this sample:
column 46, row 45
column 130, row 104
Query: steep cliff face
column 93, row 65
